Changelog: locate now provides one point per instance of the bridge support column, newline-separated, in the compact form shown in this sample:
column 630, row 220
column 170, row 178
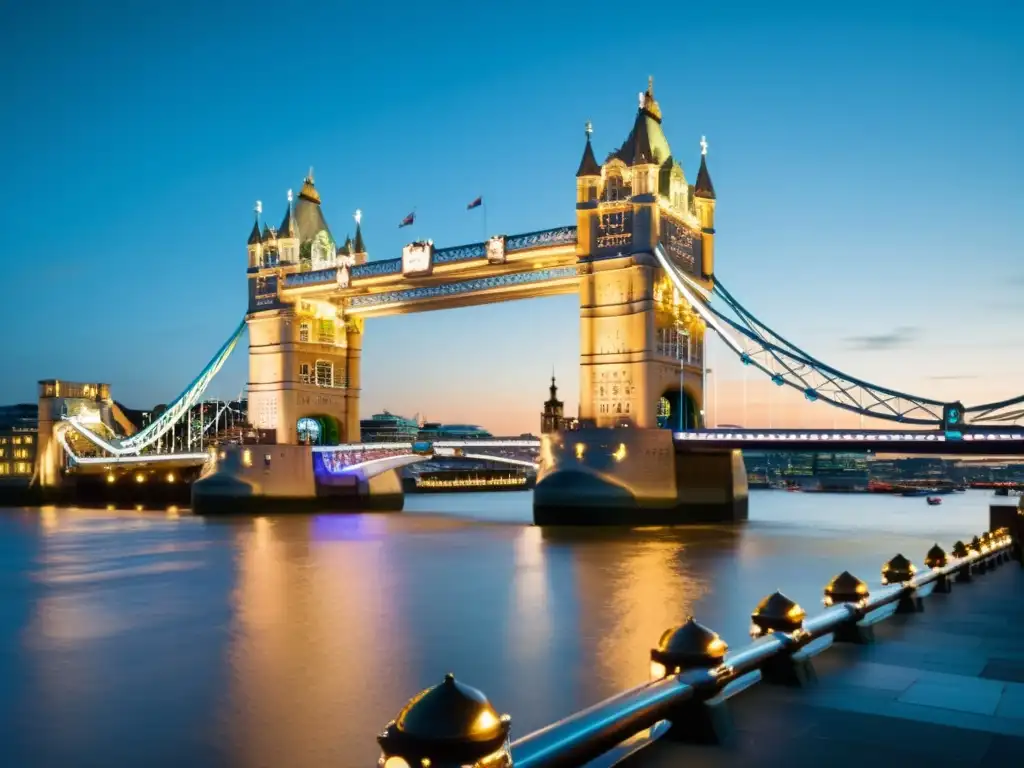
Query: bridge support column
column 262, row 479
column 635, row 477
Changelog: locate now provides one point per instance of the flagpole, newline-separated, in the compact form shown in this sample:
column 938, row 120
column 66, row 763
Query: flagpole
column 484, row 206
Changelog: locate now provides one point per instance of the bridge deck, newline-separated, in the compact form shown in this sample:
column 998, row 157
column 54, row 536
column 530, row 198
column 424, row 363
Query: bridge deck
column 943, row 687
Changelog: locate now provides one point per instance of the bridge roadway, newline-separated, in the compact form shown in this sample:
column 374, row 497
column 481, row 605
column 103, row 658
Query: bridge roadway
column 940, row 688
column 1000, row 442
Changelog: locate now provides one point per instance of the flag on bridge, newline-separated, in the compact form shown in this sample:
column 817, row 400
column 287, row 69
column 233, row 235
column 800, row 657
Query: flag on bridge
column 475, row 204
column 408, row 220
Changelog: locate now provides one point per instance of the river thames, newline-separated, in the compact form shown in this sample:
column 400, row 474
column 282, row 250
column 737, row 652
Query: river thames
column 159, row 639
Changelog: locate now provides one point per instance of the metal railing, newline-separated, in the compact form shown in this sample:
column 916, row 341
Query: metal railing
column 692, row 669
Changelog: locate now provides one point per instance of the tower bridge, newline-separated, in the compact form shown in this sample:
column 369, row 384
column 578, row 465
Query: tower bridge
column 640, row 255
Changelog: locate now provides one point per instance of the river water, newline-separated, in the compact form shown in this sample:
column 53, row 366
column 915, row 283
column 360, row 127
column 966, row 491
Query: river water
column 159, row 639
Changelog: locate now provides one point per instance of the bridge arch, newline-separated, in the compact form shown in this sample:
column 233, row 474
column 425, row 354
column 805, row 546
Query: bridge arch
column 319, row 429
column 679, row 409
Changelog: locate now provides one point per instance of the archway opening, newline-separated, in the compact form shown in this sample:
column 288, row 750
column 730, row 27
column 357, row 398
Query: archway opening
column 678, row 411
column 318, row 429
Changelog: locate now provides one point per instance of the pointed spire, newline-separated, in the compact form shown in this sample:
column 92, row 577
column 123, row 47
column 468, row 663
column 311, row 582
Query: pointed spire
column 703, row 187
column 359, row 246
column 254, row 236
column 288, row 228
column 308, row 191
column 588, row 165
column 648, row 104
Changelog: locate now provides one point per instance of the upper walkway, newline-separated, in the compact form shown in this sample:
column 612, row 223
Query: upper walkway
column 993, row 442
column 941, row 688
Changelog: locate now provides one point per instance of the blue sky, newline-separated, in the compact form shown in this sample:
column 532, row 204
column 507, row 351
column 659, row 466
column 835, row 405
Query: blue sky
column 869, row 168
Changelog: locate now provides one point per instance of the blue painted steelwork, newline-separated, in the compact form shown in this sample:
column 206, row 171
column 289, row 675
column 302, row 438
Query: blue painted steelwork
column 377, row 268
column 460, row 253
column 328, row 275
column 466, row 286
column 542, row 239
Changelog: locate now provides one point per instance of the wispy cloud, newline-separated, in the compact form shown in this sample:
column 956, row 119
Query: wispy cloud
column 895, row 339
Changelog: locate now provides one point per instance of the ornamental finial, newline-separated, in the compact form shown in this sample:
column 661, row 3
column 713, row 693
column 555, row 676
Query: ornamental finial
column 588, row 129
column 358, row 216
column 259, row 207
column 703, row 145
column 650, row 84
column 309, row 176
column 289, row 195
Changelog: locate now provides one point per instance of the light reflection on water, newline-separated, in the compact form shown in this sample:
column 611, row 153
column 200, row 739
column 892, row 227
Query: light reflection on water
column 155, row 638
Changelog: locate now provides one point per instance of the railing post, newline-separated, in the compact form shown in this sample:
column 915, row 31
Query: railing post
column 779, row 615
column 849, row 590
column 448, row 726
column 899, row 570
column 936, row 560
column 705, row 718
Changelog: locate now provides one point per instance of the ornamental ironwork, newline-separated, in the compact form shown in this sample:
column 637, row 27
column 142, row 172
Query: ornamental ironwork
column 466, row 286
column 559, row 236
column 377, row 268
column 311, row 278
column 460, row 253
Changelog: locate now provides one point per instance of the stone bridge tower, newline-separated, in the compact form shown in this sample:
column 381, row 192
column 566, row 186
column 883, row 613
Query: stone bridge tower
column 304, row 355
column 641, row 345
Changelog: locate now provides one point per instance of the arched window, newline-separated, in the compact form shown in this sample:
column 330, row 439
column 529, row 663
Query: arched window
column 613, row 188
column 324, row 373
column 308, row 431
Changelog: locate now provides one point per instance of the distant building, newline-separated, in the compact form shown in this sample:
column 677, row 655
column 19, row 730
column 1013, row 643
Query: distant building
column 552, row 418
column 386, row 427
column 19, row 432
column 436, row 431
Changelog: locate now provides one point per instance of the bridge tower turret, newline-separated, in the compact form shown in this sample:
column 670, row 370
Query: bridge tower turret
column 704, row 202
column 641, row 347
column 255, row 245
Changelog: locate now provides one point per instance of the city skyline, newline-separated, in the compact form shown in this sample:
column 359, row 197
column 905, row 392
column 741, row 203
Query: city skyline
column 842, row 220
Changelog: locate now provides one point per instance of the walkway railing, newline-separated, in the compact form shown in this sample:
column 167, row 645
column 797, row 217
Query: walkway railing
column 693, row 674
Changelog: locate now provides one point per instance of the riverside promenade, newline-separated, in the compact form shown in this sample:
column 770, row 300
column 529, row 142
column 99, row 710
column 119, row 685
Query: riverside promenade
column 941, row 687
column 927, row 668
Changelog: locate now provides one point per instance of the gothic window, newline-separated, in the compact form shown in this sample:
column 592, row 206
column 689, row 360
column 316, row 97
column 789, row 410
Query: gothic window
column 613, row 189
column 324, row 373
column 325, row 331
column 304, row 332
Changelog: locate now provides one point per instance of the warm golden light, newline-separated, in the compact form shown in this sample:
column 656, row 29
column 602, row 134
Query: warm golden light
column 796, row 612
column 620, row 452
column 485, row 721
column 580, row 450
column 140, row 478
column 110, row 478
column 395, row 762
column 246, row 458
column 170, row 477
column 658, row 670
